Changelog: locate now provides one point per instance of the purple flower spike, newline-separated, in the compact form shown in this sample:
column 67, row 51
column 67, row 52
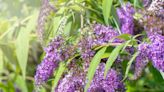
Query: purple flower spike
column 140, row 64
column 44, row 71
column 111, row 83
column 125, row 14
column 51, row 60
column 72, row 82
column 157, row 51
column 104, row 34
column 153, row 52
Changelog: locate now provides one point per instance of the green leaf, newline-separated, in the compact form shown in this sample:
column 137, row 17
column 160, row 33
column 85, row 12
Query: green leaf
column 93, row 65
column 129, row 64
column 105, row 55
column 117, row 26
column 67, row 28
column 19, row 81
column 42, row 89
column 3, row 87
column 58, row 75
column 22, row 43
column 124, row 36
column 112, row 58
column 10, row 86
column 115, row 18
column 8, row 52
column 136, row 4
column 156, row 74
column 106, row 5
column 126, row 44
column 162, row 73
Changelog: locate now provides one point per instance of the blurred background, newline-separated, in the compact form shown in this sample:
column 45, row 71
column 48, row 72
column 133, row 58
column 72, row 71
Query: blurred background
column 21, row 52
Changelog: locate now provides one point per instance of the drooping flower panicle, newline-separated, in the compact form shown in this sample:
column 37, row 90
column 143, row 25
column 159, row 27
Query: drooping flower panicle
column 44, row 71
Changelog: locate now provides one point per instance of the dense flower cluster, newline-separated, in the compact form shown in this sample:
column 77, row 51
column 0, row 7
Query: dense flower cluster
column 154, row 28
column 75, row 81
column 44, row 71
column 86, row 51
column 157, row 7
column 156, row 51
column 153, row 25
column 125, row 14
column 54, row 54
column 111, row 83
column 141, row 60
column 100, row 35
column 72, row 82
column 151, row 51
column 104, row 34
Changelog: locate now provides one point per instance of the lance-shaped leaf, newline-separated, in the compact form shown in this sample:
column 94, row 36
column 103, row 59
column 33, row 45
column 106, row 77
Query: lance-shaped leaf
column 58, row 75
column 93, row 65
column 129, row 64
column 112, row 58
column 22, row 43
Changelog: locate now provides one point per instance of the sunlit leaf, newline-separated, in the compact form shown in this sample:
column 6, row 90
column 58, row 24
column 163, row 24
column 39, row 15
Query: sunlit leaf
column 124, row 36
column 22, row 43
column 67, row 28
column 105, row 55
column 106, row 5
column 8, row 52
column 93, row 65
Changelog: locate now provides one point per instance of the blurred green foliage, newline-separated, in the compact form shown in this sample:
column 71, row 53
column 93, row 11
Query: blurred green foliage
column 19, row 49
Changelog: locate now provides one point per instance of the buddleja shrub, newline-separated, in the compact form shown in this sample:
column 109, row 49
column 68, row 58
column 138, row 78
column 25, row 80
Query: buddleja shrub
column 87, row 50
